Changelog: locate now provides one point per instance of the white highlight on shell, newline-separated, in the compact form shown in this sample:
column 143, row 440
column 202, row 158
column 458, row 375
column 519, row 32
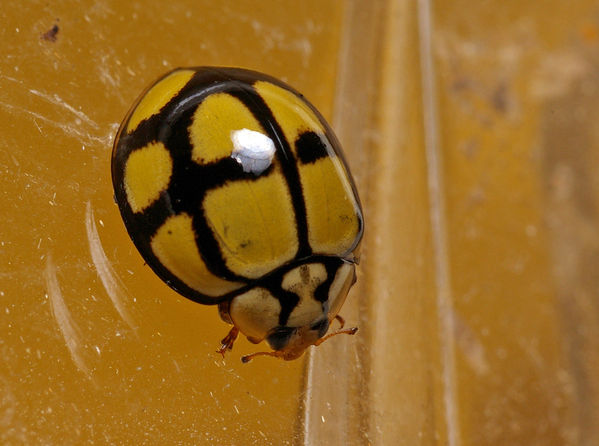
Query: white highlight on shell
column 253, row 150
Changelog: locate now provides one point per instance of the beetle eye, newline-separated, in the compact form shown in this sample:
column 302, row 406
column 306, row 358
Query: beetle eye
column 321, row 327
column 279, row 338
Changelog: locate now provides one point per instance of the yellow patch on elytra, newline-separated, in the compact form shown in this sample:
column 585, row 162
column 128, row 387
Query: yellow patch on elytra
column 254, row 224
column 331, row 209
column 158, row 96
column 175, row 247
column 147, row 173
column 255, row 312
column 292, row 113
column 215, row 119
column 307, row 309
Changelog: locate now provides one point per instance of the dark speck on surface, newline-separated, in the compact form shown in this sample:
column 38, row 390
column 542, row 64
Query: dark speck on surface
column 52, row 34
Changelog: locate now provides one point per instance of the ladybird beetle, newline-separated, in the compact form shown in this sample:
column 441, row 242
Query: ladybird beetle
column 235, row 191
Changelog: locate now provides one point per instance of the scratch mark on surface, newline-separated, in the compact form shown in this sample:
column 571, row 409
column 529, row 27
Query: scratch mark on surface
column 114, row 287
column 470, row 345
column 82, row 127
column 69, row 129
column 67, row 326
column 10, row 78
column 38, row 127
column 57, row 100
column 8, row 403
column 106, row 75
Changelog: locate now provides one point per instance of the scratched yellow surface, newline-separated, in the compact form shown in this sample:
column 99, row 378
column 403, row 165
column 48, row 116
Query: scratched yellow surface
column 94, row 348
column 470, row 129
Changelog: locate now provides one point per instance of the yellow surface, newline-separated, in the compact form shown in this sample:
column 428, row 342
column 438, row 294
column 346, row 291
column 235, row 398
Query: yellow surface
column 470, row 128
column 526, row 356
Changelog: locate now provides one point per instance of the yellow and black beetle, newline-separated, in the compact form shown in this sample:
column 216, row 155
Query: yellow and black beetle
column 235, row 191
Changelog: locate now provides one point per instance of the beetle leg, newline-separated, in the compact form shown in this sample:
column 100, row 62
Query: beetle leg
column 227, row 342
column 341, row 321
column 349, row 331
column 247, row 358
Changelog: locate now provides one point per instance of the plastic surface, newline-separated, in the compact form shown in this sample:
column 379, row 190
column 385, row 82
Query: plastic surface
column 478, row 295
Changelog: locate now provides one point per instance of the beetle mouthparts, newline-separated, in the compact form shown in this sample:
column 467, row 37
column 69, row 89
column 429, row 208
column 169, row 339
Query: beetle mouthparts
column 292, row 355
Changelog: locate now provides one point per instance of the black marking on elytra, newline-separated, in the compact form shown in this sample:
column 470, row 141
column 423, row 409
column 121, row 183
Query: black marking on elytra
column 310, row 147
column 284, row 155
column 190, row 182
column 187, row 187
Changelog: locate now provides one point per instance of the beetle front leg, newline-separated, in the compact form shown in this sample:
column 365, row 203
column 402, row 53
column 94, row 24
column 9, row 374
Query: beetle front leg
column 227, row 342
